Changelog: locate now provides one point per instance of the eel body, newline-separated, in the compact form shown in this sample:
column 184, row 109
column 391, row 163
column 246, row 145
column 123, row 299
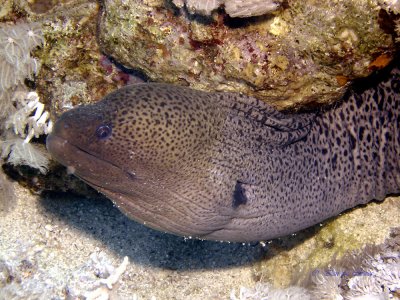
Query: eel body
column 224, row 166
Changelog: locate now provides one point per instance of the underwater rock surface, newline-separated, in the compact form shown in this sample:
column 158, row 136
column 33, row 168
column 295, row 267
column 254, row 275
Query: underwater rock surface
column 234, row 8
column 290, row 262
column 62, row 246
column 305, row 52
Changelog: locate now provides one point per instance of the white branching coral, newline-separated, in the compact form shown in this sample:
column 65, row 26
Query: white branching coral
column 97, row 278
column 370, row 274
column 385, row 269
column 28, row 121
column 234, row 8
column 24, row 113
column 18, row 152
column 373, row 273
column 363, row 286
column 327, row 285
column 16, row 63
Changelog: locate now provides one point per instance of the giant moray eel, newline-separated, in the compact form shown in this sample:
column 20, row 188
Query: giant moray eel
column 224, row 166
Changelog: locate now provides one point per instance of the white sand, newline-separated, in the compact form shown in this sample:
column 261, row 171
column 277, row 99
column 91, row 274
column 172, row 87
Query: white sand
column 64, row 246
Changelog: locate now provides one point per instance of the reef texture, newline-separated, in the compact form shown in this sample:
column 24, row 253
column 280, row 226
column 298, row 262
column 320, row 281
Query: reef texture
column 369, row 273
column 234, row 8
column 48, row 242
column 291, row 261
column 305, row 52
column 73, row 68
column 72, row 71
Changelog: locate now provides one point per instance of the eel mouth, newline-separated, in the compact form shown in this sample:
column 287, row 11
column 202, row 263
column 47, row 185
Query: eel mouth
column 112, row 180
column 82, row 163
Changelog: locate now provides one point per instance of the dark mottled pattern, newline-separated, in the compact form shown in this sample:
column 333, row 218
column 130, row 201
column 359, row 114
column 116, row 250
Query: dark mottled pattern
column 229, row 167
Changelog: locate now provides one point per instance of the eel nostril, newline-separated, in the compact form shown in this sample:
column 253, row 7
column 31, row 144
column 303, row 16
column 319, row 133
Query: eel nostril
column 131, row 175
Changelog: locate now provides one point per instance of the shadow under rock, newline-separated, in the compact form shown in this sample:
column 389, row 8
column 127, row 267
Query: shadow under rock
column 100, row 219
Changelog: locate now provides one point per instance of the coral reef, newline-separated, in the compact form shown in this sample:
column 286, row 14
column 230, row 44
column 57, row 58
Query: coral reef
column 306, row 52
column 370, row 273
column 208, row 52
column 73, row 71
column 291, row 259
column 234, row 8
column 24, row 112
column 16, row 63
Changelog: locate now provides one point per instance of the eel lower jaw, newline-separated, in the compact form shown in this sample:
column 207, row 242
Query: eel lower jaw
column 55, row 145
column 82, row 163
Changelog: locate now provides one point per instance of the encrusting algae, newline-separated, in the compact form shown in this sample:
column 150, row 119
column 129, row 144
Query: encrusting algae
column 304, row 52
column 298, row 53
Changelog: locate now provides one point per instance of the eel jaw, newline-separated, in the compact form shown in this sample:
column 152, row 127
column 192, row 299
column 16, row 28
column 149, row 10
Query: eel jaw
column 123, row 189
column 115, row 183
column 83, row 164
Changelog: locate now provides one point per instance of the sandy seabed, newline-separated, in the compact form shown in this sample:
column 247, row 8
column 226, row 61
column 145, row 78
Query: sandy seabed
column 62, row 246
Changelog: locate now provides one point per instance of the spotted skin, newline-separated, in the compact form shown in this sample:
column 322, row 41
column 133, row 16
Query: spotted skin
column 229, row 167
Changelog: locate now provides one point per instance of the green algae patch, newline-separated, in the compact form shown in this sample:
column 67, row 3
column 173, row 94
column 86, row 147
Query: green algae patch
column 292, row 259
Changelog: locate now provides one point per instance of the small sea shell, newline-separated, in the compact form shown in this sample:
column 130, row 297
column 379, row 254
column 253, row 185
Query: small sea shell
column 234, row 8
column 243, row 8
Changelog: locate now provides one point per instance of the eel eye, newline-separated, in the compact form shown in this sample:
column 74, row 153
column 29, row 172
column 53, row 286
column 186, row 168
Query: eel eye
column 103, row 131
